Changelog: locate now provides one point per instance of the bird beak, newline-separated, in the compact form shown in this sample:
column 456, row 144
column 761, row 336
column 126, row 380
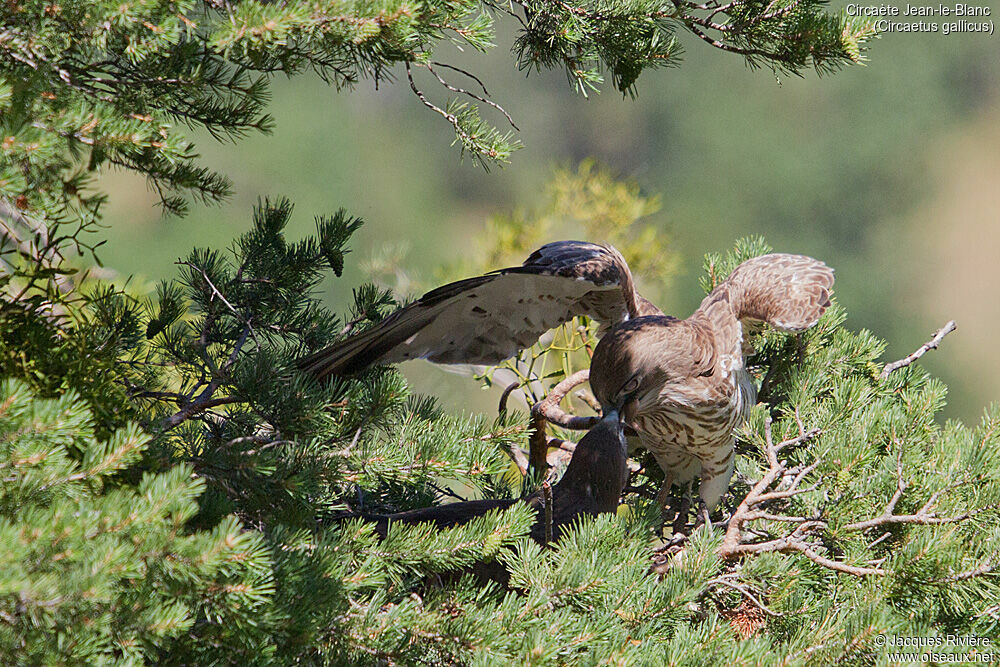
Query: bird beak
column 612, row 421
column 629, row 409
column 613, row 418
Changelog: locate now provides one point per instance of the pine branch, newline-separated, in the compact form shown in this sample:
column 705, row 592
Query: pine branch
column 749, row 507
column 201, row 404
column 744, row 590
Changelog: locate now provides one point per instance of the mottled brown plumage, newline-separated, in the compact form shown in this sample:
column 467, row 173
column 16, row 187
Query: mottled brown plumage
column 489, row 318
column 680, row 384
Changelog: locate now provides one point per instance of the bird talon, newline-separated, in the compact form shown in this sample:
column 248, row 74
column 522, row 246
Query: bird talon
column 704, row 516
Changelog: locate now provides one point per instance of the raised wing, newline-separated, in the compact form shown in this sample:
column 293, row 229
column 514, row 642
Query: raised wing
column 790, row 292
column 487, row 319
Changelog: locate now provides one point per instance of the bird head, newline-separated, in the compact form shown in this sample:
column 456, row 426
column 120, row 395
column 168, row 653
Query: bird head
column 605, row 438
column 598, row 472
column 625, row 370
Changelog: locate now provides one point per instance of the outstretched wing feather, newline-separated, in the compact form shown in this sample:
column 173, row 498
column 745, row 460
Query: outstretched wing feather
column 489, row 318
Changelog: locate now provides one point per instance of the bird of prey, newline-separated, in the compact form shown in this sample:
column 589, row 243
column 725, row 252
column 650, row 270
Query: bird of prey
column 680, row 384
column 592, row 485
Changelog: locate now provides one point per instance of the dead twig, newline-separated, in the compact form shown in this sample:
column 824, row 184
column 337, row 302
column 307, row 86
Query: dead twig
column 985, row 568
column 745, row 591
column 925, row 516
column 199, row 405
column 468, row 140
column 802, row 538
column 478, row 98
column 749, row 508
column 920, row 351
column 548, row 408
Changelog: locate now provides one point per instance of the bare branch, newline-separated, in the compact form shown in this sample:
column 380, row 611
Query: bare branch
column 985, row 568
column 837, row 565
column 479, row 98
column 548, row 408
column 589, row 399
column 560, row 452
column 199, row 405
column 505, row 395
column 451, row 118
column 744, row 590
column 215, row 290
column 802, row 539
column 920, row 351
column 729, row 47
column 748, row 509
column 462, row 71
column 925, row 516
column 520, row 460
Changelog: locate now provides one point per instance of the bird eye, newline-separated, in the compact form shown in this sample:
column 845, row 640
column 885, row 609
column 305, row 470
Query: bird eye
column 630, row 386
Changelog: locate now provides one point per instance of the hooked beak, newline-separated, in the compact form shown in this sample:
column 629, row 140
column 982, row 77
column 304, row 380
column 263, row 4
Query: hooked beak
column 629, row 410
column 611, row 421
column 624, row 411
column 612, row 418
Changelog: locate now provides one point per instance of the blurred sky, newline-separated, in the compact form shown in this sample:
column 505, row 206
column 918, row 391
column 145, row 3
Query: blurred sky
column 889, row 172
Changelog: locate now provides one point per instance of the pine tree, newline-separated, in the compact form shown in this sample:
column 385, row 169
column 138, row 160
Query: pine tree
column 881, row 520
column 96, row 570
column 86, row 85
column 173, row 491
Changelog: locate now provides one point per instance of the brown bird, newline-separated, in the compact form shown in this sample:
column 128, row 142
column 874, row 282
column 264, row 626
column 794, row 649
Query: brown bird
column 592, row 485
column 487, row 319
column 680, row 384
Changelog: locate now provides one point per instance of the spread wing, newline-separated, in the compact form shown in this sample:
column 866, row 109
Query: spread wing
column 790, row 292
column 489, row 318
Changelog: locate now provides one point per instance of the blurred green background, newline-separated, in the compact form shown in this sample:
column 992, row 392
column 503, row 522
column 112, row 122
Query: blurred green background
column 889, row 172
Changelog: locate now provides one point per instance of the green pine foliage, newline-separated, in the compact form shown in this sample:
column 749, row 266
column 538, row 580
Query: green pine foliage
column 240, row 522
column 95, row 571
column 892, row 490
column 88, row 84
column 173, row 491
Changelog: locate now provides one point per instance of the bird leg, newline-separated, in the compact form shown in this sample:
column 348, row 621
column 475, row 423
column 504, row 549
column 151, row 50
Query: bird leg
column 674, row 543
column 664, row 493
column 680, row 519
column 715, row 475
column 703, row 517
